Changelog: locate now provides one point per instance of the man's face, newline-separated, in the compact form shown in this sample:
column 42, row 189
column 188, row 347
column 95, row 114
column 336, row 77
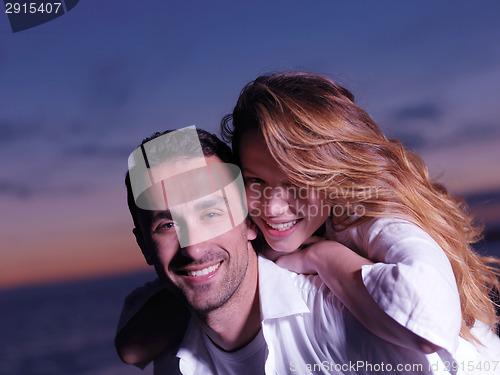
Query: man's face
column 204, row 272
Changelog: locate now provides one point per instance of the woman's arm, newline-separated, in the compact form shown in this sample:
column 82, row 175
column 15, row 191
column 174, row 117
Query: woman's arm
column 340, row 269
column 158, row 326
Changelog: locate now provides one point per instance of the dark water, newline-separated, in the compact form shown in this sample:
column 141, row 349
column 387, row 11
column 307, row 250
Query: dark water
column 490, row 246
column 69, row 328
column 64, row 329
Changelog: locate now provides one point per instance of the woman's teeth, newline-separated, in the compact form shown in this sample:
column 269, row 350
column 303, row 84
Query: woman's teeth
column 282, row 226
column 204, row 271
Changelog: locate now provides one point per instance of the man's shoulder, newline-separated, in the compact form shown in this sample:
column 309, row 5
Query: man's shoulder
column 309, row 283
column 191, row 355
column 316, row 294
column 167, row 363
column 279, row 285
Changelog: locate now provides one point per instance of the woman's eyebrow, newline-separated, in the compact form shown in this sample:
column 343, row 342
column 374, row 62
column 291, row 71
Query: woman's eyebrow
column 248, row 170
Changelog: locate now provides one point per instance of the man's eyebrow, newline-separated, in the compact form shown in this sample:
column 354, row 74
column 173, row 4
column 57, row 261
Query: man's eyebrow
column 159, row 215
column 211, row 202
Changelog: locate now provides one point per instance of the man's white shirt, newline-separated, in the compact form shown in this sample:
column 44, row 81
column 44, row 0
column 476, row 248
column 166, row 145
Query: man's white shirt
column 306, row 330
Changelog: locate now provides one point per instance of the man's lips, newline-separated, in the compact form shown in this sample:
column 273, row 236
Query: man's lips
column 199, row 272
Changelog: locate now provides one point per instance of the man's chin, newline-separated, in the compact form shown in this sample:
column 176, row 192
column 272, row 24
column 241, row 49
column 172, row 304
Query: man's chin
column 204, row 307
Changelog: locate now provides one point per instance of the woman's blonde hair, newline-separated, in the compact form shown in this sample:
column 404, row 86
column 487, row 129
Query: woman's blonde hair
column 323, row 140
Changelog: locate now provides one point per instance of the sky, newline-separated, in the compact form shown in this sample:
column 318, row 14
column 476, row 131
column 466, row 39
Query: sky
column 79, row 93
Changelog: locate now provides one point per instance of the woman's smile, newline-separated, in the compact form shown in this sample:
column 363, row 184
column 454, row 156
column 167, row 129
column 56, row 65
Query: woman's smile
column 286, row 215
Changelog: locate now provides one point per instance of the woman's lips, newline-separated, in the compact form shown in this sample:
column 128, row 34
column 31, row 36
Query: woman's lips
column 282, row 229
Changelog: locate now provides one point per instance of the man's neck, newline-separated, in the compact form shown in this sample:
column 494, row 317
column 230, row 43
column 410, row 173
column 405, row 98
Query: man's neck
column 235, row 324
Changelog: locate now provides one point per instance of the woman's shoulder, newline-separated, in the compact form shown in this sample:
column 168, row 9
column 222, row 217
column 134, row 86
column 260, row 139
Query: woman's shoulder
column 389, row 225
column 388, row 239
column 486, row 353
column 384, row 228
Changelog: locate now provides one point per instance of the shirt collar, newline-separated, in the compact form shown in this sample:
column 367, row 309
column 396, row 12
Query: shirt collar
column 279, row 296
column 192, row 354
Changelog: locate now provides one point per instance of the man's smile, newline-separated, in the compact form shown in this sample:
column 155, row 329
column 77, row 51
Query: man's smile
column 198, row 274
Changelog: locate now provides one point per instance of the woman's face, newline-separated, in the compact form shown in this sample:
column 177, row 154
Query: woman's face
column 286, row 215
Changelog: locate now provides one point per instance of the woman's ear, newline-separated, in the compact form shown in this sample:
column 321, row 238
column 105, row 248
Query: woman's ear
column 139, row 238
column 251, row 230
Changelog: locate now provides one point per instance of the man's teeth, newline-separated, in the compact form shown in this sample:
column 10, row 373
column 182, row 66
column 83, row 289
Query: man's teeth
column 204, row 271
column 282, row 226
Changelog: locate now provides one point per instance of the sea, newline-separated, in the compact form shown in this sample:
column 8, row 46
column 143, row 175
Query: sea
column 69, row 328
column 65, row 328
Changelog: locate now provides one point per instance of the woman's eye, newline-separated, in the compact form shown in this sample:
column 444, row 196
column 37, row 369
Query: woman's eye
column 254, row 180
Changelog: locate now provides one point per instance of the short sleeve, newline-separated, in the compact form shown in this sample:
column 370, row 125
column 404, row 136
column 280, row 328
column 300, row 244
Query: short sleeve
column 416, row 296
column 412, row 281
column 136, row 300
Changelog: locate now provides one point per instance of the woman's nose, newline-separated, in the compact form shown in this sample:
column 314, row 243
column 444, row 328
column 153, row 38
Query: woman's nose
column 276, row 202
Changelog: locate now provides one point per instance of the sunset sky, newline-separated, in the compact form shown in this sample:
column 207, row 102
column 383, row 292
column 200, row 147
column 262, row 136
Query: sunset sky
column 79, row 93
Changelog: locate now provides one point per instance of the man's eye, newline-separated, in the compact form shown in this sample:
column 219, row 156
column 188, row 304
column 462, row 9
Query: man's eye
column 165, row 226
column 211, row 215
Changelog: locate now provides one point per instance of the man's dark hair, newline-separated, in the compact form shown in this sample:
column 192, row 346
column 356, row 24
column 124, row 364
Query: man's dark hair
column 211, row 145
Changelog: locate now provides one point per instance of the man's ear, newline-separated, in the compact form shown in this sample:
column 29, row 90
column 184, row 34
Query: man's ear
column 251, row 230
column 142, row 244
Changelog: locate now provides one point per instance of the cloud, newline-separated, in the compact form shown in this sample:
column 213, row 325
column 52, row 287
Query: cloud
column 97, row 151
column 54, row 165
column 15, row 190
column 111, row 84
column 483, row 197
column 444, row 122
column 422, row 111
column 411, row 139
column 47, row 157
column 3, row 57
column 18, row 130
column 29, row 190
column 473, row 132
column 460, row 134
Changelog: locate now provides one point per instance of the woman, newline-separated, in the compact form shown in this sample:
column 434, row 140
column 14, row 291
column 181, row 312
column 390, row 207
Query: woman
column 302, row 143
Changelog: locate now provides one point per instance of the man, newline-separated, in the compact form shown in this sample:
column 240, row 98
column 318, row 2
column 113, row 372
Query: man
column 248, row 315
column 214, row 275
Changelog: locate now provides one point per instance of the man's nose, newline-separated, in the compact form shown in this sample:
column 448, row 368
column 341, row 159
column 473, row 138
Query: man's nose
column 194, row 251
column 276, row 203
column 193, row 242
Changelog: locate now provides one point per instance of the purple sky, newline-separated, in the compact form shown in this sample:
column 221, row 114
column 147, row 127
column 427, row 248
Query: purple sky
column 79, row 93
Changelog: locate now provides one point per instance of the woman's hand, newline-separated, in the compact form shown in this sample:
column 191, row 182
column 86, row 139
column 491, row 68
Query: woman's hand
column 296, row 262
column 303, row 260
column 340, row 269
